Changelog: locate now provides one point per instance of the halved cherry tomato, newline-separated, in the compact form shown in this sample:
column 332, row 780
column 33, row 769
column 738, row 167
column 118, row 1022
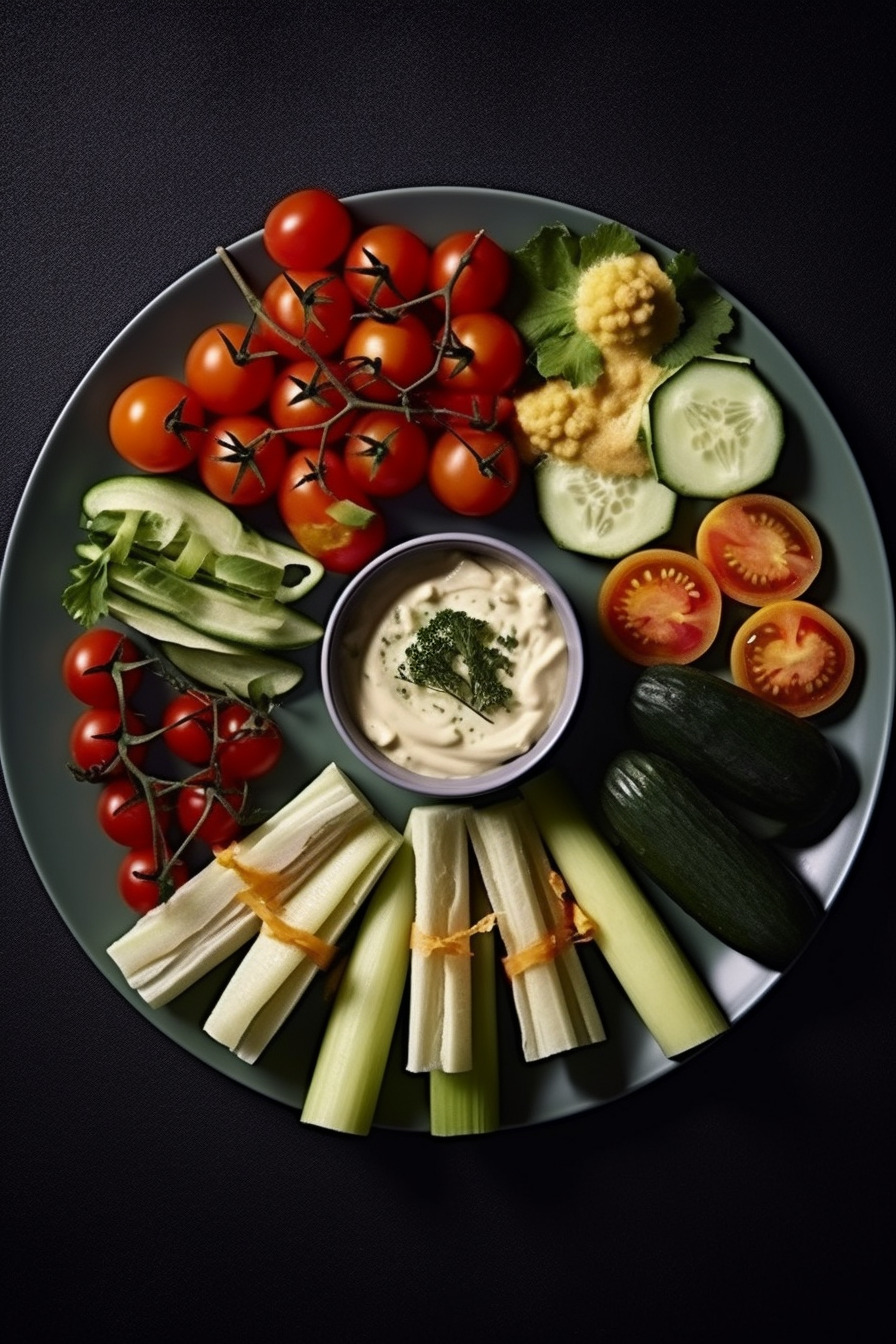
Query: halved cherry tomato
column 795, row 655
column 313, row 306
column 307, row 228
column 483, row 280
column 138, row 879
column 87, row 667
column 242, row 460
column 473, row 472
column 388, row 356
column 315, row 502
column 386, row 265
column 303, row 400
column 386, row 453
column 226, row 370
column 760, row 548
column 659, row 606
column 156, row 424
column 484, row 353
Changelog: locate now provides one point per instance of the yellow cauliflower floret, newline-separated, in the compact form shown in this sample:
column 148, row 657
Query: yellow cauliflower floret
column 596, row 425
column 628, row 301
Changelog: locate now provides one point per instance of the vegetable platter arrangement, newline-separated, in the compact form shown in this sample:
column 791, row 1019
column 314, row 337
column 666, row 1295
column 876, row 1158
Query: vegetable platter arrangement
column 352, row 377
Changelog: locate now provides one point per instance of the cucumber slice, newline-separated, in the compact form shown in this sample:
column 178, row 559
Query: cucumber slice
column 716, row 429
column 175, row 512
column 219, row 664
column 250, row 676
column 596, row 514
column 258, row 622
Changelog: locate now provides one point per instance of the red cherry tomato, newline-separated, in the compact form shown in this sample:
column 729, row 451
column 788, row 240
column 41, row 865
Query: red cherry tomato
column 386, row 453
column 87, row 667
column 795, row 655
column 94, row 738
column 188, row 728
column 484, row 353
column 303, row 400
column 312, row 501
column 221, row 370
column 242, row 460
column 307, row 229
column 156, row 424
column 249, row 744
column 138, row 879
column 471, row 410
column 760, row 548
column 313, row 306
column 387, row 357
column 386, row 265
column 475, row 474
column 209, row 816
column 124, row 816
column 660, row 606
column 483, row 280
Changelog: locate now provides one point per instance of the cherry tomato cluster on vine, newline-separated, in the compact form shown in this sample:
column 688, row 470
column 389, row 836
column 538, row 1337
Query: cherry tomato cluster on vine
column 156, row 818
column 346, row 386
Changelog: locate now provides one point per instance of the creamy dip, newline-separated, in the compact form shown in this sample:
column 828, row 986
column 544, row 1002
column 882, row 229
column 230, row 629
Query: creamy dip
column 430, row 732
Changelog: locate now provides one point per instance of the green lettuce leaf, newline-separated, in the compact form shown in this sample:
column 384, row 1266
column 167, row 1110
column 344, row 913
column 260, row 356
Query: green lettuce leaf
column 550, row 266
column 707, row 315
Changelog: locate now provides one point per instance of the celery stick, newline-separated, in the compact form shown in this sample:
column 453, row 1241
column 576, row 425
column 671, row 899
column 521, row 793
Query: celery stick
column 171, row 946
column 322, row 905
column 440, row 1034
column 468, row 1103
column 553, row 1001
column 351, row 1062
column 665, row 990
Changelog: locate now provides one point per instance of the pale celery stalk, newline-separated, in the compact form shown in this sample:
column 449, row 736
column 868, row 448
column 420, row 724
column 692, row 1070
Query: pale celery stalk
column 665, row 990
column 439, row 1029
column 348, row 1073
column 203, row 922
column 553, row 1000
column 273, row 974
column 469, row 1103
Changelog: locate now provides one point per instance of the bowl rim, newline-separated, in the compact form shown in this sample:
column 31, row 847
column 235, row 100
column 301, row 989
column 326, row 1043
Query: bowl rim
column 508, row 772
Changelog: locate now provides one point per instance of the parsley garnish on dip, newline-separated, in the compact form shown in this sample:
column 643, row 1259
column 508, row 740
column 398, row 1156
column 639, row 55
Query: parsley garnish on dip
column 458, row 668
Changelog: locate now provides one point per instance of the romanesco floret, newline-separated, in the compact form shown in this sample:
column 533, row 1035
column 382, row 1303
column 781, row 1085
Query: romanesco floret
column 630, row 301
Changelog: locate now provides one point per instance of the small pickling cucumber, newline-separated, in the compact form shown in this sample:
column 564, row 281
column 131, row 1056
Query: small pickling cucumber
column 598, row 514
column 733, row 884
column 754, row 753
column 716, row 429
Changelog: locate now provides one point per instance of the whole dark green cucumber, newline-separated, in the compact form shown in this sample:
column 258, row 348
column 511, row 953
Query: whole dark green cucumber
column 731, row 883
column 754, row 753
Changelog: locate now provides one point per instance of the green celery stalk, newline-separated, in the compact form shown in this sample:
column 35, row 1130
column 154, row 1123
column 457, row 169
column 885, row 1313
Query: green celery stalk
column 351, row 1062
column 665, row 990
column 469, row 1103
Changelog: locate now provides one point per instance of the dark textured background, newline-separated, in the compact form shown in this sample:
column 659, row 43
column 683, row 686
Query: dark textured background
column 143, row 1192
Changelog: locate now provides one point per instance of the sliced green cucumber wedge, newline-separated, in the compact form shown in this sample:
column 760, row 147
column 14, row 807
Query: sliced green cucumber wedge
column 716, row 429
column 597, row 514
column 218, row 664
